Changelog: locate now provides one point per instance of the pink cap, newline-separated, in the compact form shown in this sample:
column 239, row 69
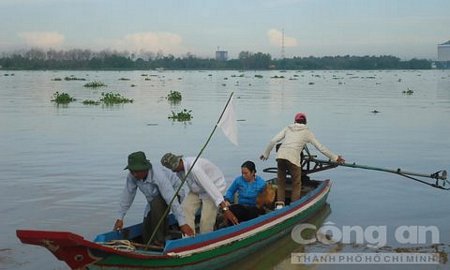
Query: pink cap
column 299, row 116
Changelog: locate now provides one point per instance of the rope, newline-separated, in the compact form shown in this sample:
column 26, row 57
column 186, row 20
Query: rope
column 122, row 245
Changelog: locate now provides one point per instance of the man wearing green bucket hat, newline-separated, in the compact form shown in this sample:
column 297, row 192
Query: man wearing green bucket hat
column 159, row 185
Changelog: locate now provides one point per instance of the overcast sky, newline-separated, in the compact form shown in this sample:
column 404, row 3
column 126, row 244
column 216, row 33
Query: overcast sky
column 403, row 28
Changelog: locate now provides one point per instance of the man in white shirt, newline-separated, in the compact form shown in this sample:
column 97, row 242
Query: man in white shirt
column 207, row 185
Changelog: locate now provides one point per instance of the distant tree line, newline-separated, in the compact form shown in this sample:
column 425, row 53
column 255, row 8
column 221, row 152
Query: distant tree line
column 77, row 59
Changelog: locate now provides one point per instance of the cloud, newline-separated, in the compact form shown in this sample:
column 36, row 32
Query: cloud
column 275, row 38
column 150, row 41
column 42, row 39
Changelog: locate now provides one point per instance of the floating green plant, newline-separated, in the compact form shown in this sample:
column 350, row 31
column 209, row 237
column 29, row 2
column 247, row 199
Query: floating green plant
column 174, row 96
column 182, row 116
column 95, row 84
column 114, row 98
column 91, row 102
column 73, row 78
column 57, row 79
column 62, row 98
column 408, row 92
column 258, row 76
column 124, row 79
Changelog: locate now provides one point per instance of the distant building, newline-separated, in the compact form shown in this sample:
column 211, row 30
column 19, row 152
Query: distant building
column 444, row 55
column 221, row 55
column 444, row 51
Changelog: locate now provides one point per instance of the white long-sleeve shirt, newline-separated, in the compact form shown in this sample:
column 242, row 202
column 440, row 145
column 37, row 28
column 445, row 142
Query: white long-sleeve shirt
column 295, row 137
column 205, row 179
column 159, row 181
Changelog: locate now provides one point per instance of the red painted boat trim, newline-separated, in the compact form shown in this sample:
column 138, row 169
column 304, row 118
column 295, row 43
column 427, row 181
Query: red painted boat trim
column 55, row 241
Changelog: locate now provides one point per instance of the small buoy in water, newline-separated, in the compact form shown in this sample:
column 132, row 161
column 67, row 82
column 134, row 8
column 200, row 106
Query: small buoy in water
column 375, row 111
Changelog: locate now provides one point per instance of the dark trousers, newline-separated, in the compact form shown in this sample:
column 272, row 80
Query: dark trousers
column 285, row 166
column 157, row 209
column 244, row 213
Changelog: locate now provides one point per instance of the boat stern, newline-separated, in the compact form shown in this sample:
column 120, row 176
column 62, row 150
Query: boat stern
column 67, row 247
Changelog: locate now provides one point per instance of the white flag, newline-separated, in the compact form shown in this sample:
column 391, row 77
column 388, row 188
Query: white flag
column 228, row 123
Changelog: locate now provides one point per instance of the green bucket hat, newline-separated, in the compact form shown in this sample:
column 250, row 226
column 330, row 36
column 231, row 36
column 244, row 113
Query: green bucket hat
column 137, row 161
column 171, row 161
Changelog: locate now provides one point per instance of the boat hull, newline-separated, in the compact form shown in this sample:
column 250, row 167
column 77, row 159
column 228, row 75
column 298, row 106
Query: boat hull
column 212, row 250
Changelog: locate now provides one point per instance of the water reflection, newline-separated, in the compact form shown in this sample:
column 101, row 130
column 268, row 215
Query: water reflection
column 278, row 253
column 62, row 168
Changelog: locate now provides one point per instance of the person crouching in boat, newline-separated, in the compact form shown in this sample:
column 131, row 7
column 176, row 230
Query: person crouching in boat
column 207, row 184
column 158, row 185
column 248, row 186
column 294, row 137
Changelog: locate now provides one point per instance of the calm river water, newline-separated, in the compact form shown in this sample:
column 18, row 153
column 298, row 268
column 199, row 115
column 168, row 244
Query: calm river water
column 62, row 166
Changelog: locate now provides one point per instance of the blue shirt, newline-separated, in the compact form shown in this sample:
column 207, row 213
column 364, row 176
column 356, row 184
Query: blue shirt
column 247, row 191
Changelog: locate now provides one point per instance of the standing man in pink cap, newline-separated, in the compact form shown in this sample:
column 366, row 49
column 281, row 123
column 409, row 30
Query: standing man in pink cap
column 294, row 137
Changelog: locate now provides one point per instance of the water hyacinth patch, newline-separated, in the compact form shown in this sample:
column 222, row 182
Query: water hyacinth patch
column 408, row 92
column 62, row 98
column 95, row 84
column 114, row 98
column 174, row 96
column 91, row 102
column 73, row 78
column 182, row 116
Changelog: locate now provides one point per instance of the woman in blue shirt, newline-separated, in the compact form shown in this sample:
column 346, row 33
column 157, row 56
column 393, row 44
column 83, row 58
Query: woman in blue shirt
column 248, row 186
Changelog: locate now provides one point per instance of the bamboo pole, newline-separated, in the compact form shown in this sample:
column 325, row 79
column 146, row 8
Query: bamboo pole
column 186, row 175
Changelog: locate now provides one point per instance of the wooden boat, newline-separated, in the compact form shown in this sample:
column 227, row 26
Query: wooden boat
column 205, row 251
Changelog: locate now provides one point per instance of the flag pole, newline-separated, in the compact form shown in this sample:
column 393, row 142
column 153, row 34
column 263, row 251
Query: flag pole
column 186, row 175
